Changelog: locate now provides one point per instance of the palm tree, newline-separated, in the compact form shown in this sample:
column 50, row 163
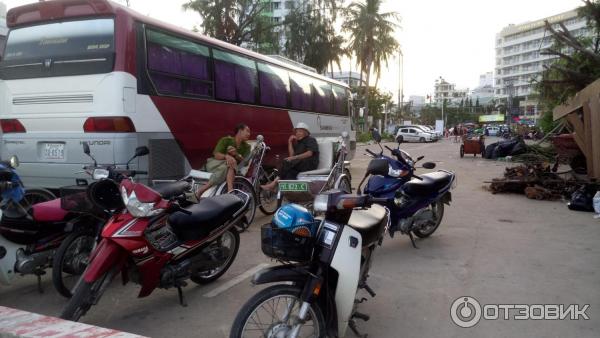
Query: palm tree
column 371, row 37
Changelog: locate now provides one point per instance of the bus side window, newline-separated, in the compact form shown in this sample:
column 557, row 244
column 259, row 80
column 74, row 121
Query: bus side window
column 178, row 66
column 236, row 77
column 301, row 92
column 274, row 85
column 322, row 96
column 340, row 100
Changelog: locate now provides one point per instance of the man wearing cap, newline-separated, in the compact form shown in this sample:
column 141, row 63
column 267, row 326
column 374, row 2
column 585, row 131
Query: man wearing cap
column 303, row 155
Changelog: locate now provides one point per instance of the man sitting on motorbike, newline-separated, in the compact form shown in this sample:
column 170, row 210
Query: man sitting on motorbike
column 229, row 152
column 303, row 153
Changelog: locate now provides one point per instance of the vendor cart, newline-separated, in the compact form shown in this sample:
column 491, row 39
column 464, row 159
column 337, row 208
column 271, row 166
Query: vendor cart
column 472, row 144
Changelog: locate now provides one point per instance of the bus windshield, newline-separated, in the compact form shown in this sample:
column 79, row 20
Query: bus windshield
column 59, row 49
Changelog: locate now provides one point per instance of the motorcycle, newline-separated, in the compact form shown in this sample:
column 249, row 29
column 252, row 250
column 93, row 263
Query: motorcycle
column 32, row 227
column 95, row 203
column 316, row 295
column 155, row 242
column 416, row 202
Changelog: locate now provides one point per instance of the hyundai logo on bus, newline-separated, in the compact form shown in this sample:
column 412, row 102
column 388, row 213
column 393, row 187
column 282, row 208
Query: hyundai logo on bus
column 467, row 311
column 96, row 143
column 47, row 63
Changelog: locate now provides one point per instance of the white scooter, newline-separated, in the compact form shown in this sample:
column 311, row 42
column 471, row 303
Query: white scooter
column 316, row 297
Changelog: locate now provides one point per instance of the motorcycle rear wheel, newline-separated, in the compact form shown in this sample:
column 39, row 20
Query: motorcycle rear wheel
column 205, row 277
column 85, row 295
column 270, row 302
column 438, row 211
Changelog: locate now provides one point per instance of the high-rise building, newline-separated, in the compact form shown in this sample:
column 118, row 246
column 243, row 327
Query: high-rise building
column 519, row 60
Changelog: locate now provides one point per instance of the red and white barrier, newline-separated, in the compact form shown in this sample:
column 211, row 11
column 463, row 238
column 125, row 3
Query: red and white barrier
column 17, row 323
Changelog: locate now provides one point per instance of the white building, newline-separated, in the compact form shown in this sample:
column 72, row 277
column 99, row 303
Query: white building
column 350, row 78
column 519, row 59
column 445, row 90
column 486, row 80
column 484, row 93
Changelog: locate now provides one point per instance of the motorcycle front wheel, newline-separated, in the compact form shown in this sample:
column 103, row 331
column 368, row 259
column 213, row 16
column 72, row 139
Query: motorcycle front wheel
column 70, row 261
column 273, row 312
column 85, row 295
column 437, row 208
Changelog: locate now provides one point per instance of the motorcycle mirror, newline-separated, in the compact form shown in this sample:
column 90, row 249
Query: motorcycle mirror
column 378, row 166
column 86, row 148
column 13, row 161
column 428, row 165
column 420, row 158
column 376, row 135
column 399, row 139
column 260, row 138
column 141, row 151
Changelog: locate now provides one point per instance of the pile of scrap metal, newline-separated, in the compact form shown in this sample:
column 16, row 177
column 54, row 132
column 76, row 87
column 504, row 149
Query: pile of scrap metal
column 536, row 181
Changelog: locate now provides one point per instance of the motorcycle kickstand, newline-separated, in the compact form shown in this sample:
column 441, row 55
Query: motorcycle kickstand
column 182, row 301
column 352, row 325
column 39, row 274
column 412, row 239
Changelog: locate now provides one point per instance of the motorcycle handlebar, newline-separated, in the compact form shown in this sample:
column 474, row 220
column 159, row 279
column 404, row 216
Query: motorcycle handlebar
column 371, row 152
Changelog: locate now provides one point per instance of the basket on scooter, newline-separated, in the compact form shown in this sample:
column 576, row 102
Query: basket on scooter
column 75, row 198
column 281, row 244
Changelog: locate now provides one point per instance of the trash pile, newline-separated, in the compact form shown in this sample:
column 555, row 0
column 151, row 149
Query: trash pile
column 536, row 181
column 512, row 147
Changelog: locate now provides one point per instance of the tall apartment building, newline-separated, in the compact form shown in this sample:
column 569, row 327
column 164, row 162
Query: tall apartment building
column 519, row 59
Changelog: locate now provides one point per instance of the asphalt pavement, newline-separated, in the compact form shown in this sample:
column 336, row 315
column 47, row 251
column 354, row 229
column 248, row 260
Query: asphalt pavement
column 498, row 249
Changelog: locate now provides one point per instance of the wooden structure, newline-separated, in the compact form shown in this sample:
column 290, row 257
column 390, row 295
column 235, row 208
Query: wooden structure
column 583, row 113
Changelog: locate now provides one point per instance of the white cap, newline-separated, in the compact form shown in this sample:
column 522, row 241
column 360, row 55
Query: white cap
column 302, row 125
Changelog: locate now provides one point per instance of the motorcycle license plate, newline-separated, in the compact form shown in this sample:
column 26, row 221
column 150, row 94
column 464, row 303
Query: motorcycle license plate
column 295, row 186
column 53, row 151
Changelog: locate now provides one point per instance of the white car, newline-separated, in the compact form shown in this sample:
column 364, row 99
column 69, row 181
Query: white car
column 493, row 131
column 414, row 134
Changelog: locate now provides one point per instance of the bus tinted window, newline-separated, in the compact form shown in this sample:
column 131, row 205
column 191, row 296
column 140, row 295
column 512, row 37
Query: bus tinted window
column 236, row 78
column 322, row 96
column 340, row 95
column 301, row 92
column 59, row 49
column 178, row 66
column 274, row 85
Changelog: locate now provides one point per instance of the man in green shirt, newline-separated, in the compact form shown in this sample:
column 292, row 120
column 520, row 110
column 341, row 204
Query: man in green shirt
column 228, row 154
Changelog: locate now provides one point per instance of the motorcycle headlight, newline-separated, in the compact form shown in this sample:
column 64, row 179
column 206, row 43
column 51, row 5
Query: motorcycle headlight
column 137, row 208
column 400, row 200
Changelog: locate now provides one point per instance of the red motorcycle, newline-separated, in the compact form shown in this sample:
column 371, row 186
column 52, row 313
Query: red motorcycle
column 155, row 242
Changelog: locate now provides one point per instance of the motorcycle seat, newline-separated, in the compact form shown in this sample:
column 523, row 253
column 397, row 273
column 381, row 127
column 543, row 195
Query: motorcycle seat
column 207, row 215
column 431, row 183
column 170, row 190
column 368, row 223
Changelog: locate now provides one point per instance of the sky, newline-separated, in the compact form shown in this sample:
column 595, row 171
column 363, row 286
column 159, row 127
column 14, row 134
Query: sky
column 452, row 39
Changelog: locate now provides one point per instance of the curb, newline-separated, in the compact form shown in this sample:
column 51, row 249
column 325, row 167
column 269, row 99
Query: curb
column 17, row 324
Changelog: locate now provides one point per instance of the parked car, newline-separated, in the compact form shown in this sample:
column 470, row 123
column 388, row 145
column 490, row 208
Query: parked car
column 493, row 131
column 425, row 129
column 432, row 130
column 414, row 134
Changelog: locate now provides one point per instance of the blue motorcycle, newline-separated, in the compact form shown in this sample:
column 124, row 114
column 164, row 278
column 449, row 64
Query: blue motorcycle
column 416, row 202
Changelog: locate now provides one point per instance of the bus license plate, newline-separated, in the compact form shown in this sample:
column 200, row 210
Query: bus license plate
column 53, row 151
column 297, row 186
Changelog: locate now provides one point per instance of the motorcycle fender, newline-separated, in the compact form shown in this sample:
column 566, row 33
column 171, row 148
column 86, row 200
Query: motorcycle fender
column 7, row 263
column 447, row 198
column 281, row 273
column 346, row 261
column 106, row 255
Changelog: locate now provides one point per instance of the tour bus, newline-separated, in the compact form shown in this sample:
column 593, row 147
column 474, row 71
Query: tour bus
column 96, row 72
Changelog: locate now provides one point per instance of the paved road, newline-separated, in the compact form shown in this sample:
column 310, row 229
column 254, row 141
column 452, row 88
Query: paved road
column 499, row 249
